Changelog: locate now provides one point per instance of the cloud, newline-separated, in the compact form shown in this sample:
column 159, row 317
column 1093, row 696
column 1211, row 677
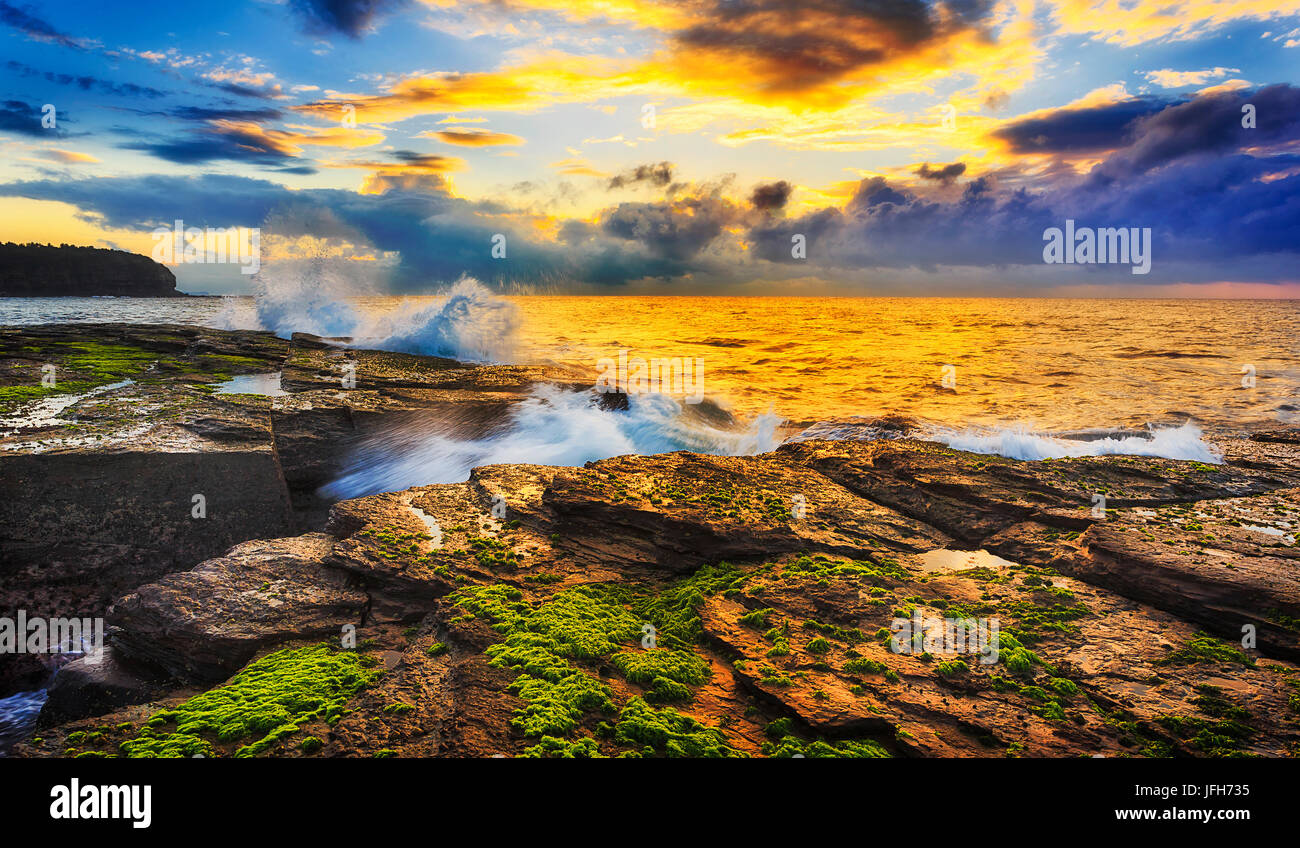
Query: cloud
column 944, row 174
column 200, row 113
column 70, row 157
column 25, row 119
column 35, row 28
column 771, row 196
column 1219, row 199
column 1210, row 123
column 1078, row 128
column 659, row 174
column 739, row 56
column 350, row 17
column 676, row 230
column 247, row 141
column 1131, row 22
column 577, row 168
column 798, row 45
column 473, row 137
column 1169, row 78
column 86, row 83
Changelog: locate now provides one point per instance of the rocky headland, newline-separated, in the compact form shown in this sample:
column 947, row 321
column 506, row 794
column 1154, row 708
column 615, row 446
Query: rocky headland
column 671, row 605
column 42, row 270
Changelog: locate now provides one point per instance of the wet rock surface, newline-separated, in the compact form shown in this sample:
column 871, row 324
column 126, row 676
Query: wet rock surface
column 128, row 451
column 484, row 606
column 691, row 605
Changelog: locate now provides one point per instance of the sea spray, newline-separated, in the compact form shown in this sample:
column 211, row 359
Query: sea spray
column 552, row 426
column 1183, row 442
column 469, row 322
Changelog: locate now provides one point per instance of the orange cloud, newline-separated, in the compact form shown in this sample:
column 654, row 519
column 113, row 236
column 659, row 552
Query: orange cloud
column 473, row 137
column 70, row 157
column 290, row 142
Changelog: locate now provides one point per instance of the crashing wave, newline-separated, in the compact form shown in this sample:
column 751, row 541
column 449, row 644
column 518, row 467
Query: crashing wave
column 1183, row 442
column 551, row 427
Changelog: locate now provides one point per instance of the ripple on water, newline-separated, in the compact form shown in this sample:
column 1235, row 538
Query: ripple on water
column 18, row 714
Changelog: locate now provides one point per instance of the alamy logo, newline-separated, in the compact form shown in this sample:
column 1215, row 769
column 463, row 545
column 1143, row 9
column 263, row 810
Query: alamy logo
column 635, row 375
column 945, row 636
column 91, row 801
column 183, row 246
column 1086, row 246
column 23, row 635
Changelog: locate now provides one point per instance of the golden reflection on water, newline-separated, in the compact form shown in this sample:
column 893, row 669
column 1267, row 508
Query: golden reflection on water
column 1043, row 364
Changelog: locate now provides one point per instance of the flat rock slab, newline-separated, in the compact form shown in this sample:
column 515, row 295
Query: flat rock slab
column 1224, row 564
column 209, row 621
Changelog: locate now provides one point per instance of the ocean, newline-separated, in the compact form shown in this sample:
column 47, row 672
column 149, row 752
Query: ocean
column 1018, row 365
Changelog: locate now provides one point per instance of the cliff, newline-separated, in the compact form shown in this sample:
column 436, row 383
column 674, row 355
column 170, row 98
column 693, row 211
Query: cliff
column 38, row 270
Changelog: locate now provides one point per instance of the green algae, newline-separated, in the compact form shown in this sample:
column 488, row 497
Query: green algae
column 267, row 701
column 493, row 553
column 574, row 624
column 822, row 569
column 587, row 625
column 645, row 666
column 784, row 744
column 554, row 747
column 668, row 732
column 860, row 665
column 1203, row 647
column 675, row 611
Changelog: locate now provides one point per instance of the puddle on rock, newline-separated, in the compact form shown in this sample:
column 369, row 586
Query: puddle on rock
column 267, row 385
column 945, row 560
column 45, row 412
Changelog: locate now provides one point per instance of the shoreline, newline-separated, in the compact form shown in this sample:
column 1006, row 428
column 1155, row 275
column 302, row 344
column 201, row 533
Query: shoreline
column 824, row 542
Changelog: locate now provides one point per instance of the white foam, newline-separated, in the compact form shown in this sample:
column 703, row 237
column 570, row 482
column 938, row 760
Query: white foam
column 551, row 427
column 1182, row 442
column 317, row 296
column 470, row 324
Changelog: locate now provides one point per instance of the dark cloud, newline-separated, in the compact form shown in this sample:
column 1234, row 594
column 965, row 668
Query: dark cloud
column 243, row 90
column 213, row 144
column 943, row 174
column 676, row 229
column 86, row 83
column 25, row 119
column 771, row 196
column 146, row 202
column 996, row 100
column 350, row 17
column 1078, row 130
column 1219, row 203
column 800, row 44
column 431, row 161
column 1210, row 124
column 33, row 27
column 660, row 174
column 874, row 192
column 200, row 113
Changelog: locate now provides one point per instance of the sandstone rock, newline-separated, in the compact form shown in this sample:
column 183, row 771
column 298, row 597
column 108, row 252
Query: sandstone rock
column 87, row 688
column 209, row 621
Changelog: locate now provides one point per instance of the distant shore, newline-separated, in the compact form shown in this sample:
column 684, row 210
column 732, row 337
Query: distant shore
column 42, row 270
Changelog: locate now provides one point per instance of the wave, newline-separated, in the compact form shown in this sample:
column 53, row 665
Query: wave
column 469, row 322
column 552, row 426
column 1183, row 442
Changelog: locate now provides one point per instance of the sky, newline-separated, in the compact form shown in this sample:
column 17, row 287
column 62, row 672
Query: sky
column 744, row 147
